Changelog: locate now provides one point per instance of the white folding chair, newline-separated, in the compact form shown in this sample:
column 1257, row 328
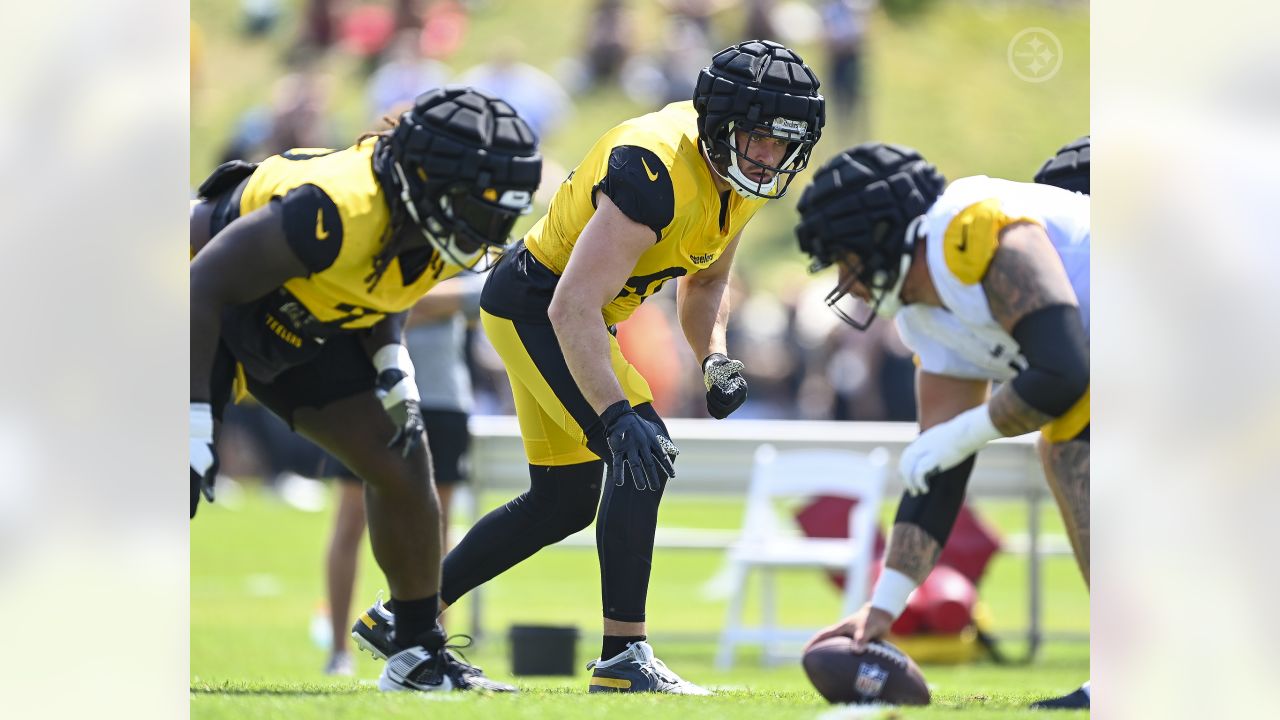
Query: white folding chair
column 766, row 544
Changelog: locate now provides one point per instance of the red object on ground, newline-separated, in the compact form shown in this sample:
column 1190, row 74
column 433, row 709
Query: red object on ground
column 949, row 601
column 944, row 602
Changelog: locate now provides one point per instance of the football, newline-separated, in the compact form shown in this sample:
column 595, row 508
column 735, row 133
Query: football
column 880, row 674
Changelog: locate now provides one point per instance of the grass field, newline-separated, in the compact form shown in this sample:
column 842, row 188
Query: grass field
column 256, row 583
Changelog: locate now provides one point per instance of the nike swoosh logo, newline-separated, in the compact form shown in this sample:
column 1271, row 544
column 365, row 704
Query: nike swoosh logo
column 321, row 233
column 964, row 239
column 652, row 175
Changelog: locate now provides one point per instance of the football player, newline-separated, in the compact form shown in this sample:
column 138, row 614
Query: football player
column 986, row 281
column 661, row 197
column 304, row 267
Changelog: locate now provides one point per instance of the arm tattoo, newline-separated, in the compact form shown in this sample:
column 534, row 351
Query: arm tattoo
column 912, row 552
column 1067, row 469
column 1024, row 276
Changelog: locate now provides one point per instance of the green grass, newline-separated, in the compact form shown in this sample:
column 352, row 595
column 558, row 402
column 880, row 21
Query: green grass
column 256, row 583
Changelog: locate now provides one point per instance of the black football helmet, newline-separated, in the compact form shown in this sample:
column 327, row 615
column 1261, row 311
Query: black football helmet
column 1069, row 168
column 869, row 200
column 766, row 90
column 465, row 167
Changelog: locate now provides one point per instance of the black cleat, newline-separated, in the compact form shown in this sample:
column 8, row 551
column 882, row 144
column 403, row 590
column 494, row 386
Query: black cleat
column 637, row 670
column 1078, row 700
column 374, row 631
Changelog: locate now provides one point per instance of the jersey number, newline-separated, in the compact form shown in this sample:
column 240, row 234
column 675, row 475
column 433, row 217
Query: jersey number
column 646, row 285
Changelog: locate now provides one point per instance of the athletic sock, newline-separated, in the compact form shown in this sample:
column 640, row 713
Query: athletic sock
column 615, row 645
column 416, row 623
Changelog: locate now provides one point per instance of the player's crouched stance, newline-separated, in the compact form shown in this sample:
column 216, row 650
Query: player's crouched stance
column 304, row 268
column 987, row 281
column 657, row 198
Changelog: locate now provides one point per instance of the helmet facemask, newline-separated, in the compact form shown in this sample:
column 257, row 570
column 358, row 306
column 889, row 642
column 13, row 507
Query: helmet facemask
column 468, row 226
column 796, row 158
column 882, row 271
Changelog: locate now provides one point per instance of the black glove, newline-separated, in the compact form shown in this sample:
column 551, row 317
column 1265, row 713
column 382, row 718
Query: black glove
column 202, row 456
column 638, row 448
column 726, row 388
column 400, row 399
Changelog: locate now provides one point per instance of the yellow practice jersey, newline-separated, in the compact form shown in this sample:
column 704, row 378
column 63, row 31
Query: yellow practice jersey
column 335, row 217
column 652, row 169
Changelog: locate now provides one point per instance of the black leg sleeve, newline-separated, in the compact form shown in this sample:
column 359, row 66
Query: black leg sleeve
column 936, row 511
column 625, row 528
column 561, row 500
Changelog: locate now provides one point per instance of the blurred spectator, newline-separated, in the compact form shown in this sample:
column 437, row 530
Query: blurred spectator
column 653, row 347
column 405, row 75
column 367, row 31
column 611, row 34
column 697, row 12
column 408, row 16
column 686, row 48
column 844, row 24
column 299, row 116
column 760, row 21
column 259, row 16
column 444, row 26
column 533, row 93
column 318, row 31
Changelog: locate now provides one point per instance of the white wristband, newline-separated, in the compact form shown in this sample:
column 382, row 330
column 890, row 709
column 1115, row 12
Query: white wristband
column 893, row 589
column 202, row 422
column 393, row 355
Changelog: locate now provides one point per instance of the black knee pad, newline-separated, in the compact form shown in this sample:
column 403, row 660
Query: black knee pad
column 561, row 498
column 936, row 511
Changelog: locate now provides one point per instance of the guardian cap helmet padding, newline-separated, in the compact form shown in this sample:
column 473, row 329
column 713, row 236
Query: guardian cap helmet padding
column 870, row 201
column 766, row 90
column 464, row 166
column 1069, row 168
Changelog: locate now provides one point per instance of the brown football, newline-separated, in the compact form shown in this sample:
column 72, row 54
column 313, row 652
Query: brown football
column 880, row 674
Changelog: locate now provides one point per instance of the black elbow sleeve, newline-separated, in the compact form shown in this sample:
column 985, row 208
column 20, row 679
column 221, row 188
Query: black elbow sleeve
column 1054, row 342
column 936, row 511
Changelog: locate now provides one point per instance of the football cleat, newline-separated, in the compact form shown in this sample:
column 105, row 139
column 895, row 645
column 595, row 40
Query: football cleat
column 1077, row 700
column 416, row 669
column 374, row 629
column 466, row 676
column 637, row 670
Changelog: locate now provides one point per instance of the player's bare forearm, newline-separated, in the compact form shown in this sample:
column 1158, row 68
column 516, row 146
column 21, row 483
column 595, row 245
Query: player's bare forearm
column 206, row 324
column 912, row 551
column 584, row 340
column 388, row 331
column 704, row 313
column 1011, row 415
